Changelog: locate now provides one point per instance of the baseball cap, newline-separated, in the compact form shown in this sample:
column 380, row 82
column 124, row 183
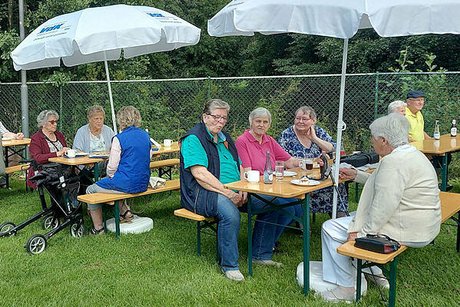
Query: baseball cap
column 415, row 94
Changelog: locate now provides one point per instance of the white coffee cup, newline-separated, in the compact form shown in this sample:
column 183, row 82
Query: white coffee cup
column 252, row 176
column 167, row 142
column 71, row 153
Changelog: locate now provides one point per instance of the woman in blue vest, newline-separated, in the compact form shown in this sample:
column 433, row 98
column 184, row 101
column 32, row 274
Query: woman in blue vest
column 128, row 169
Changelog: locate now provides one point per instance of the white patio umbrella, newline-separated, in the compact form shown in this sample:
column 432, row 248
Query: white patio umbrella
column 339, row 19
column 100, row 34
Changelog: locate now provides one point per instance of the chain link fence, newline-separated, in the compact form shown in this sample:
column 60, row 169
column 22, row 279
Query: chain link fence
column 171, row 107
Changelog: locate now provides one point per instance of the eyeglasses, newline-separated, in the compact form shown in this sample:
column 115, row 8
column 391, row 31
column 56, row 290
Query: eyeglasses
column 304, row 119
column 53, row 122
column 219, row 118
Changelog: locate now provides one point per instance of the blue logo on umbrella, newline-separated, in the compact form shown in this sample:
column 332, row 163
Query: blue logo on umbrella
column 52, row 28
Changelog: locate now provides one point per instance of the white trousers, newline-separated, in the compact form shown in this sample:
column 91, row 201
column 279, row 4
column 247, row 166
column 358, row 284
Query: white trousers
column 338, row 269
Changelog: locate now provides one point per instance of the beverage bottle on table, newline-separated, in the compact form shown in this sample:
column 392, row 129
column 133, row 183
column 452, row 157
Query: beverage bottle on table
column 453, row 128
column 268, row 170
column 436, row 134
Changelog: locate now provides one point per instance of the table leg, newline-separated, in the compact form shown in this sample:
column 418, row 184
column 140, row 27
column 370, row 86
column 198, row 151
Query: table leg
column 7, row 177
column 96, row 172
column 249, row 236
column 306, row 244
column 116, row 213
column 444, row 173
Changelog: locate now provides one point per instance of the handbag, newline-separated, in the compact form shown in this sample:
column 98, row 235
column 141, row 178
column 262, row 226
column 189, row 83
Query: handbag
column 377, row 243
column 361, row 159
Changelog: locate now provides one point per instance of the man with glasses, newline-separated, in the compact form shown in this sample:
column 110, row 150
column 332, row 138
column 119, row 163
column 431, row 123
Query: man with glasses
column 208, row 160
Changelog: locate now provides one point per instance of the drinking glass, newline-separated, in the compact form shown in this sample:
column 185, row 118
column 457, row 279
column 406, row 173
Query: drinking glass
column 279, row 170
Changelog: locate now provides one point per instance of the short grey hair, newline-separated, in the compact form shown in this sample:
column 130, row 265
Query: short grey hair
column 43, row 117
column 393, row 127
column 260, row 112
column 128, row 116
column 308, row 111
column 396, row 105
column 93, row 110
column 214, row 104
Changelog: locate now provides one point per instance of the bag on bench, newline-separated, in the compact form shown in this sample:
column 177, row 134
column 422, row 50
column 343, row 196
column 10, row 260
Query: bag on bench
column 377, row 243
column 361, row 159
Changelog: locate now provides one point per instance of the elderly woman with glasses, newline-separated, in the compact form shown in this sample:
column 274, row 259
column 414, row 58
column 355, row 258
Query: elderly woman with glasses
column 208, row 160
column 306, row 140
column 252, row 147
column 128, row 169
column 47, row 142
column 400, row 199
column 94, row 136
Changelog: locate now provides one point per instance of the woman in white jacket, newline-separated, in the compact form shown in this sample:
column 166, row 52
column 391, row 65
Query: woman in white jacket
column 400, row 199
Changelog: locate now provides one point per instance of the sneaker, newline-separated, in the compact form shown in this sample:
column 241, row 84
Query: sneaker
column 96, row 232
column 234, row 275
column 267, row 263
column 378, row 280
column 339, row 294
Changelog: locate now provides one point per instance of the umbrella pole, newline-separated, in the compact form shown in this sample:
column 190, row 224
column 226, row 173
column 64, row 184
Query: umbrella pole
column 114, row 122
column 340, row 126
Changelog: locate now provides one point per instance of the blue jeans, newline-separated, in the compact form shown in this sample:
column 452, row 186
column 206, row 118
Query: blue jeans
column 265, row 233
column 227, row 233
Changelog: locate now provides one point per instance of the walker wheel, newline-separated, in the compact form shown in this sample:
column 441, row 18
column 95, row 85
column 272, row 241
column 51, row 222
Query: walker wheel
column 7, row 229
column 50, row 222
column 36, row 244
column 77, row 230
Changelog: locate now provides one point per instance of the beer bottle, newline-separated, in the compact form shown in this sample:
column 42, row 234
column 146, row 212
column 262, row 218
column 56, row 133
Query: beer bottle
column 436, row 134
column 453, row 128
column 268, row 170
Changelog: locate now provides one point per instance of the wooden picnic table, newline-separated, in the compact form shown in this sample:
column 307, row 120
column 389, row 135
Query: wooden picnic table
column 283, row 189
column 14, row 147
column 442, row 147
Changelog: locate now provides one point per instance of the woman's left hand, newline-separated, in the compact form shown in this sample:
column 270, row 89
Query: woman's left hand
column 311, row 133
column 352, row 236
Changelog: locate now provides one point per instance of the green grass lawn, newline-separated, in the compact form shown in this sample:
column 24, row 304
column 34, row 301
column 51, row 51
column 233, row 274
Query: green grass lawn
column 161, row 267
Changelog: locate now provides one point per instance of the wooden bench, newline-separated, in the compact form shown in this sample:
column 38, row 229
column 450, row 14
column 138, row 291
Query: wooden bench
column 164, row 166
column 114, row 199
column 450, row 205
column 201, row 223
column 17, row 168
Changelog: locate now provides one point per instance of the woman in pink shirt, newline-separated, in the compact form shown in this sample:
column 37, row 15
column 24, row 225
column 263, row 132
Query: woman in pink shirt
column 252, row 146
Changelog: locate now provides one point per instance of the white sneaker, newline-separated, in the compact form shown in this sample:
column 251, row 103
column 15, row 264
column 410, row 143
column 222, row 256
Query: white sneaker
column 234, row 275
column 339, row 294
column 380, row 280
column 267, row 263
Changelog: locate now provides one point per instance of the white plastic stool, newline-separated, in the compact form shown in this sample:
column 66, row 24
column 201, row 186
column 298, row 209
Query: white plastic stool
column 138, row 224
column 316, row 278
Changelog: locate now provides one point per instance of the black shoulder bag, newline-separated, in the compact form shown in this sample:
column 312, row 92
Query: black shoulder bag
column 377, row 243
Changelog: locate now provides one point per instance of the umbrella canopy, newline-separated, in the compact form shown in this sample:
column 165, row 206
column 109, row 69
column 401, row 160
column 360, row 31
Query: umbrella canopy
column 336, row 18
column 100, row 34
column 339, row 19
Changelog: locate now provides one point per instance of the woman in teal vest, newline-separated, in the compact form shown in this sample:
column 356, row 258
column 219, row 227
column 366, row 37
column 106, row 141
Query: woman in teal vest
column 128, row 169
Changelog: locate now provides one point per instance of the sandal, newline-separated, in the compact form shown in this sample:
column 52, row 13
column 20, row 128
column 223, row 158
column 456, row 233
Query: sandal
column 126, row 217
column 95, row 231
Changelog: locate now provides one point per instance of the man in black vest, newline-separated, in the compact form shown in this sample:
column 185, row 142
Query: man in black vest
column 208, row 160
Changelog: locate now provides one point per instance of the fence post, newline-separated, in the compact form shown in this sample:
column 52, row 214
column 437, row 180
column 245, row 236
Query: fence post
column 209, row 87
column 376, row 95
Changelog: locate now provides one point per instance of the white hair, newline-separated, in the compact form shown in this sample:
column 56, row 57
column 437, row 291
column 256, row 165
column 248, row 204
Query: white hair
column 43, row 117
column 260, row 112
column 392, row 107
column 393, row 127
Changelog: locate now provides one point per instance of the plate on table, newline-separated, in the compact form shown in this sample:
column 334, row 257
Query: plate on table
column 289, row 173
column 81, row 154
column 99, row 154
column 310, row 182
column 6, row 138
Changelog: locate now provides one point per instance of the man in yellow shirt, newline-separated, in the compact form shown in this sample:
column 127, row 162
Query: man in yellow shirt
column 415, row 102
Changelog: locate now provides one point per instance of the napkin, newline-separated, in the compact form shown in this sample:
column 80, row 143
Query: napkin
column 156, row 182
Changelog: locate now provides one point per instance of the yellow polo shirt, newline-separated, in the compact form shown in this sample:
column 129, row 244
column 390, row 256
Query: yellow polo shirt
column 417, row 126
